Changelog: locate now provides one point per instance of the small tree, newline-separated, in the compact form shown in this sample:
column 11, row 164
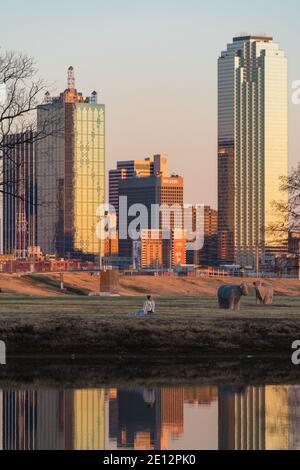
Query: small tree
column 287, row 209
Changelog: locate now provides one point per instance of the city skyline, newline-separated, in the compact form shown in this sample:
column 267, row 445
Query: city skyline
column 159, row 81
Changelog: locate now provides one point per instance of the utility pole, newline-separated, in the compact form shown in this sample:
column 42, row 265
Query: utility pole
column 257, row 260
column 100, row 263
column 61, row 280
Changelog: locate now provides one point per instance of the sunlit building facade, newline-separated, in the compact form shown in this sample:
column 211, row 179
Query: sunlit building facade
column 70, row 172
column 252, row 147
column 162, row 200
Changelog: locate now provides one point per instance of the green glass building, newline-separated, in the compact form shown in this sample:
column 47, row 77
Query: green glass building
column 70, row 172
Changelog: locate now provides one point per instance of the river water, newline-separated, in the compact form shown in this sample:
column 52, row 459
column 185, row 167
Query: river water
column 189, row 417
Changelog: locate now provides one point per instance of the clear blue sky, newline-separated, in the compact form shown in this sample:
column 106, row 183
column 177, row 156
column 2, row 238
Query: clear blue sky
column 154, row 64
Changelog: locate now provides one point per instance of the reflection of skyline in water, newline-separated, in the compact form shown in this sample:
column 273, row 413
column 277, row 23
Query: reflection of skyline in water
column 263, row 417
column 259, row 418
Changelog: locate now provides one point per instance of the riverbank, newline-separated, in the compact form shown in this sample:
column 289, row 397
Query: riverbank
column 189, row 327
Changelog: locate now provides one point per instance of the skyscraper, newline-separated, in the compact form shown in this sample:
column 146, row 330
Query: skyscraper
column 156, row 165
column 203, row 221
column 252, row 146
column 160, row 192
column 19, row 198
column 126, row 169
column 70, row 172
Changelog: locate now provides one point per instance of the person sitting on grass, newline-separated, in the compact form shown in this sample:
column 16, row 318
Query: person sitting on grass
column 149, row 306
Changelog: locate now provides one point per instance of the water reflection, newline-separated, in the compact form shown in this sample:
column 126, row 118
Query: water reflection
column 262, row 417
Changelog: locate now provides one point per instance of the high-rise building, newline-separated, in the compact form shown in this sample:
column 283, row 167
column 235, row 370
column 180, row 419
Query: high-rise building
column 70, row 172
column 252, row 146
column 157, row 252
column 19, row 198
column 203, row 223
column 126, row 169
column 157, row 191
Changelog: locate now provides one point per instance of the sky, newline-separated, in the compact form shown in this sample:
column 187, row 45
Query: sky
column 154, row 65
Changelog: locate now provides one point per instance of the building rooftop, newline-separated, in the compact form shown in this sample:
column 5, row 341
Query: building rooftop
column 251, row 36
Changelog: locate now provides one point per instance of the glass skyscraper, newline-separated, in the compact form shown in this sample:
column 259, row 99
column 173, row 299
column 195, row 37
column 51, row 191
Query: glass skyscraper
column 19, row 198
column 252, row 146
column 70, row 172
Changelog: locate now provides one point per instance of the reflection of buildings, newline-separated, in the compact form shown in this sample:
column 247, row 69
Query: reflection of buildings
column 242, row 419
column 19, row 420
column 259, row 418
column 249, row 418
column 133, row 419
column 170, row 415
column 89, row 419
column 294, row 417
column 200, row 395
column 277, row 417
column 52, row 419
column 146, row 418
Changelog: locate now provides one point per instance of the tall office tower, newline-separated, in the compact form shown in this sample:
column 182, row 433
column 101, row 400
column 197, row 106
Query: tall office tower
column 19, row 198
column 252, row 146
column 203, row 223
column 164, row 192
column 126, row 169
column 70, row 172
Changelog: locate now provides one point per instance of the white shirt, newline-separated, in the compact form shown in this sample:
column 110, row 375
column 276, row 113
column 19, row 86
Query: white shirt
column 149, row 306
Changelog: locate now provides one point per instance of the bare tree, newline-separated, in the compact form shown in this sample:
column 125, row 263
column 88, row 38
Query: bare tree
column 24, row 92
column 287, row 209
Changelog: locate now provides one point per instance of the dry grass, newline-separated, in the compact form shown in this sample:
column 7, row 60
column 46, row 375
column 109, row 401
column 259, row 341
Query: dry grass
column 48, row 285
column 186, row 326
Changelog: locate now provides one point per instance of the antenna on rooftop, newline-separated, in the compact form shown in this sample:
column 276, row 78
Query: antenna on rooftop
column 71, row 78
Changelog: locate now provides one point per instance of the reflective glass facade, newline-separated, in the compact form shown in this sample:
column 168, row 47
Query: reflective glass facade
column 19, row 198
column 252, row 145
column 70, row 174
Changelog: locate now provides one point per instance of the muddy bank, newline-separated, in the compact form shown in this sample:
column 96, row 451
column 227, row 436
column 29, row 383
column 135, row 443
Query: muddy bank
column 187, row 335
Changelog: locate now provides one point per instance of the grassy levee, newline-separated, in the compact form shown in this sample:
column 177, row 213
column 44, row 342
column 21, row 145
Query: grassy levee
column 53, row 283
column 186, row 327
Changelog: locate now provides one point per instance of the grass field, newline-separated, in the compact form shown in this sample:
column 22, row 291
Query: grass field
column 187, row 326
